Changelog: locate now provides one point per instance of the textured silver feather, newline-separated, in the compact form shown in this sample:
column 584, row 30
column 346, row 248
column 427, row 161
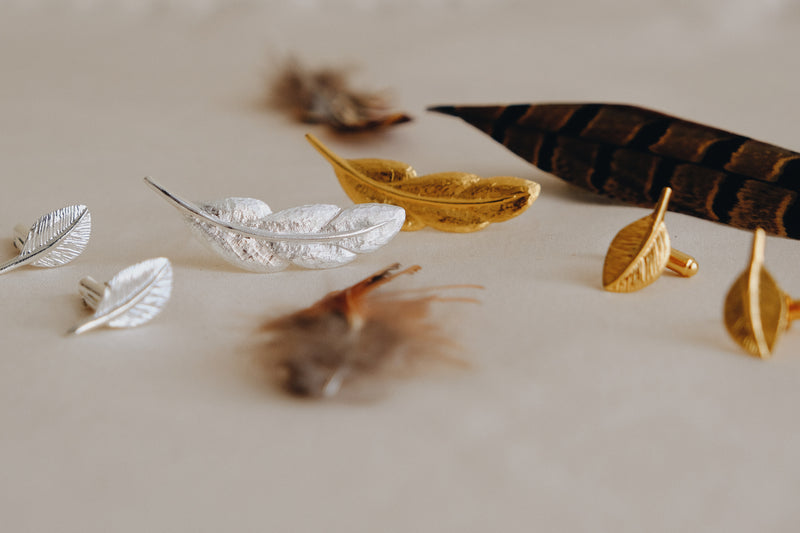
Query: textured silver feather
column 133, row 297
column 246, row 233
column 55, row 239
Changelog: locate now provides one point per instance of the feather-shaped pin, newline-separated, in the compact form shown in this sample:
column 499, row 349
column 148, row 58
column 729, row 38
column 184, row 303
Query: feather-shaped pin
column 631, row 153
column 131, row 298
column 325, row 96
column 355, row 333
column 447, row 201
column 54, row 240
column 246, row 233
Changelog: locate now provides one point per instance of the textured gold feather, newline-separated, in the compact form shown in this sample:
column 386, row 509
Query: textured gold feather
column 756, row 310
column 639, row 253
column 447, row 201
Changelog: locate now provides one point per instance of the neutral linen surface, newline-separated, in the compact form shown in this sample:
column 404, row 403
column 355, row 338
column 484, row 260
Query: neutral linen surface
column 582, row 410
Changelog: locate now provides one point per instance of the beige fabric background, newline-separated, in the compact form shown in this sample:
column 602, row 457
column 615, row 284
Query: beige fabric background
column 583, row 410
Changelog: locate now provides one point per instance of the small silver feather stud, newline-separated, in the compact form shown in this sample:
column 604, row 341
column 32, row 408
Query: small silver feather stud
column 245, row 232
column 131, row 298
column 54, row 240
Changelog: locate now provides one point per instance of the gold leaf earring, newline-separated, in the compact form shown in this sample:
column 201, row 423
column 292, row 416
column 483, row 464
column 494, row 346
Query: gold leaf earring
column 641, row 251
column 757, row 311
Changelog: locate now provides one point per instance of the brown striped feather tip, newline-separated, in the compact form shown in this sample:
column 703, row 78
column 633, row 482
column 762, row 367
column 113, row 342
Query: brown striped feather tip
column 631, row 154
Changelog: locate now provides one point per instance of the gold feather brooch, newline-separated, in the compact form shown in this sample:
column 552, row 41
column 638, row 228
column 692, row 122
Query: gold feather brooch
column 447, row 201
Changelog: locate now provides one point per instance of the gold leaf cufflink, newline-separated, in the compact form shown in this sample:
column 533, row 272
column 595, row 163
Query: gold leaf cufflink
column 641, row 251
column 757, row 311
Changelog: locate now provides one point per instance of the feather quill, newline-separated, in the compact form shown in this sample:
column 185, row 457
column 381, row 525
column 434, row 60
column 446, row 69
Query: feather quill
column 447, row 201
column 246, row 233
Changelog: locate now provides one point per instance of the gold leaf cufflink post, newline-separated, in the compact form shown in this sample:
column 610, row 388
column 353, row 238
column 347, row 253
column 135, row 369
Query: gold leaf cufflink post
column 757, row 311
column 641, row 251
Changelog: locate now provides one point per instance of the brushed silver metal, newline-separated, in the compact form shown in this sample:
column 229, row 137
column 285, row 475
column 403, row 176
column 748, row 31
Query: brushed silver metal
column 54, row 240
column 131, row 298
column 246, row 233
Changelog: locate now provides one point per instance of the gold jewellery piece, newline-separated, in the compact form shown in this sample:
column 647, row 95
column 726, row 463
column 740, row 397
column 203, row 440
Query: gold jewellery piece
column 447, row 201
column 641, row 251
column 757, row 311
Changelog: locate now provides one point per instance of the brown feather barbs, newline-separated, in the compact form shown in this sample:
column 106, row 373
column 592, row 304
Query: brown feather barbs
column 354, row 333
column 324, row 97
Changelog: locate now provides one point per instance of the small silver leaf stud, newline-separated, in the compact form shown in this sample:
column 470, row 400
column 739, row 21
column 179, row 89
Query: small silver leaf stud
column 131, row 298
column 54, row 240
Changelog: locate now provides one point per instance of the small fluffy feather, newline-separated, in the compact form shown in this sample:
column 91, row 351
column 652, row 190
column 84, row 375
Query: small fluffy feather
column 324, row 96
column 351, row 334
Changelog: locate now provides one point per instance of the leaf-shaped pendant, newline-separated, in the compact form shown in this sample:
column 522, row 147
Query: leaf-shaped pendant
column 447, row 201
column 632, row 153
column 639, row 253
column 246, row 233
column 131, row 298
column 54, row 240
column 757, row 311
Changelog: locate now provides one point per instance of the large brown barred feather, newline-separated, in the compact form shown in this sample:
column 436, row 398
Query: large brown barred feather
column 631, row 153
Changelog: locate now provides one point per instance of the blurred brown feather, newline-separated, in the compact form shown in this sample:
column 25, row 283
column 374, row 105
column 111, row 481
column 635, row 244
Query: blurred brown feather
column 324, row 96
column 355, row 333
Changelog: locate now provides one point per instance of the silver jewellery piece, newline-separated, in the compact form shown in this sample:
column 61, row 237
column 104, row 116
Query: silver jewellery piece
column 131, row 298
column 54, row 240
column 246, row 233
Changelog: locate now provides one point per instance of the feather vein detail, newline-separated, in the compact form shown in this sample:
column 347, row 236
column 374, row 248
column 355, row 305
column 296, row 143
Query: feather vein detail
column 132, row 297
column 355, row 334
column 631, row 153
column 55, row 239
column 447, row 201
column 246, row 233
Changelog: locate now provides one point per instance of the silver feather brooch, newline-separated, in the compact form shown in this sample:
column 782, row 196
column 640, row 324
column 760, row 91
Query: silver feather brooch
column 245, row 232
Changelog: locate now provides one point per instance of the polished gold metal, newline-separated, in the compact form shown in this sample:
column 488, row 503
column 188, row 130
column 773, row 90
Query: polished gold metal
column 447, row 201
column 641, row 251
column 757, row 311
